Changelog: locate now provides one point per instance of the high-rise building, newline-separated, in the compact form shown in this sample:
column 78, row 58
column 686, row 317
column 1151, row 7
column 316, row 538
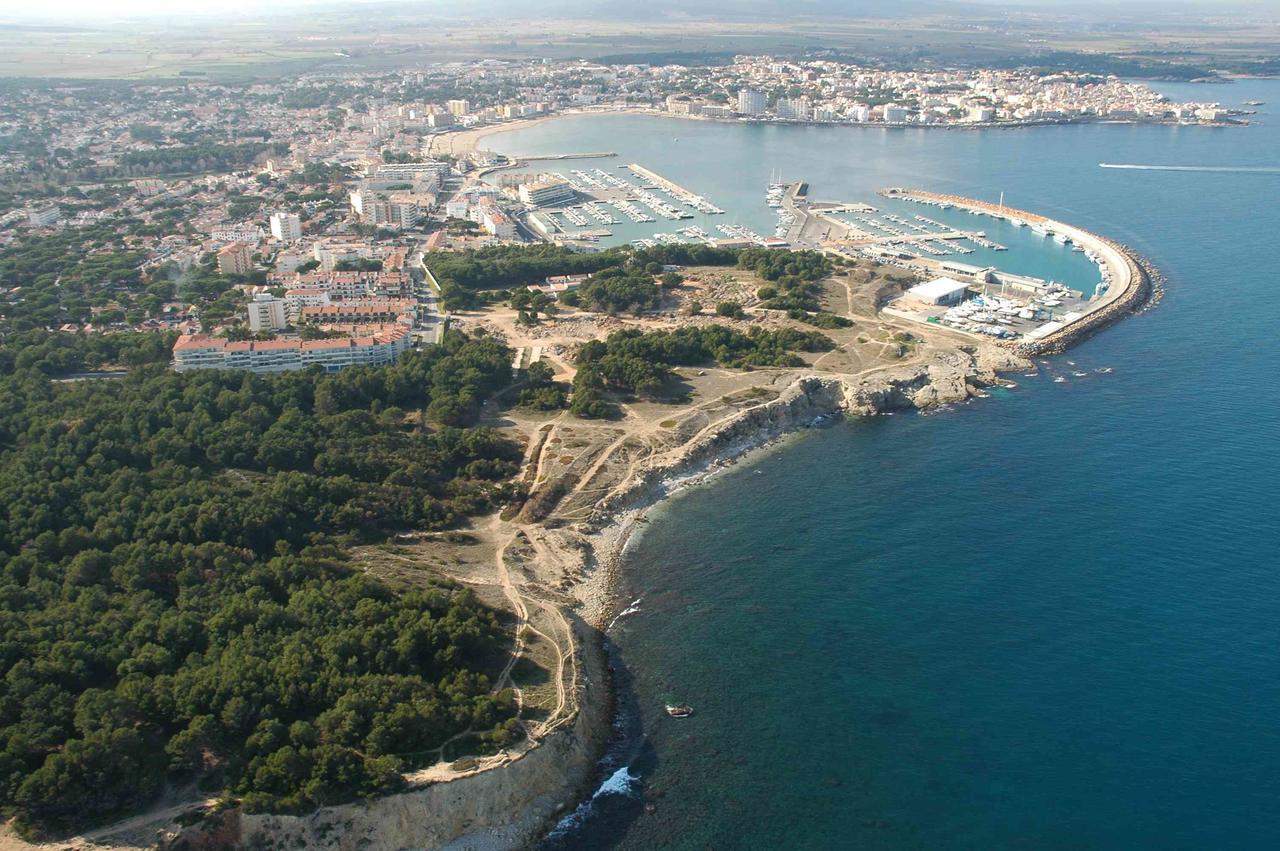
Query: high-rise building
column 752, row 102
column 267, row 313
column 43, row 217
column 286, row 227
column 235, row 259
column 797, row 109
column 460, row 106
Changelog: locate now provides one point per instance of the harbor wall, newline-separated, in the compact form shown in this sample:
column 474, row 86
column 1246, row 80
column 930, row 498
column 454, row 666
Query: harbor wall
column 1133, row 279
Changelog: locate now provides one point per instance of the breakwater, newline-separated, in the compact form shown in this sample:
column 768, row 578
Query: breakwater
column 1134, row 280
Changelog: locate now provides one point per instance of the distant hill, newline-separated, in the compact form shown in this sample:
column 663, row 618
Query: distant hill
column 737, row 10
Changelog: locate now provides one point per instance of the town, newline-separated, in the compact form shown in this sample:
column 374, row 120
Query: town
column 276, row 226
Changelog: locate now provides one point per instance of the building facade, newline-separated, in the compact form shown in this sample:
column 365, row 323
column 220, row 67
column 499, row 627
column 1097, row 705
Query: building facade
column 286, row 227
column 267, row 313
column 197, row 351
column 235, row 259
column 752, row 102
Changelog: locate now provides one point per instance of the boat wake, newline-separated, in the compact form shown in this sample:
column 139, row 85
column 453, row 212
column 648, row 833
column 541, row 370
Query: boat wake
column 632, row 609
column 1223, row 169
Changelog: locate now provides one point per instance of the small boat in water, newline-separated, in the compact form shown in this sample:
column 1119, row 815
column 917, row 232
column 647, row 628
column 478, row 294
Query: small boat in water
column 679, row 710
column 1059, row 380
column 1105, row 370
column 1079, row 374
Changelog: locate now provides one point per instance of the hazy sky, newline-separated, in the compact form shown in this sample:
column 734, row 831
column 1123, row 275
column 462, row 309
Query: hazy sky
column 99, row 9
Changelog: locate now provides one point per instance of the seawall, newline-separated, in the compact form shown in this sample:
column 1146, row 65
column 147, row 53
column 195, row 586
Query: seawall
column 1134, row 279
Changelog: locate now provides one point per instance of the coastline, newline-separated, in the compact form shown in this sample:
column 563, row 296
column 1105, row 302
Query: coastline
column 543, row 777
column 461, row 142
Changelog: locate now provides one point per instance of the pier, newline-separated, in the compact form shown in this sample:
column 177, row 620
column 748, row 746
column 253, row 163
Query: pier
column 702, row 205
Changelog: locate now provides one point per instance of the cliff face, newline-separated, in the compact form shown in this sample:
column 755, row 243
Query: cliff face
column 512, row 805
column 950, row 376
column 506, row 807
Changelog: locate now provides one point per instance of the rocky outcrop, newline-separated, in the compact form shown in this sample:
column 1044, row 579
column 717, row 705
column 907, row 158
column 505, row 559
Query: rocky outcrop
column 949, row 376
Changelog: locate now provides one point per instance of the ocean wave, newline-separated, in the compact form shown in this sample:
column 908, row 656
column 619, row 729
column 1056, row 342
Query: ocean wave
column 621, row 783
column 629, row 610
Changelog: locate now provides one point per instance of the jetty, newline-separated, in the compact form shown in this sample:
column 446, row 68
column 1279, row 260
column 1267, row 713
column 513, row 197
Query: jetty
column 1130, row 278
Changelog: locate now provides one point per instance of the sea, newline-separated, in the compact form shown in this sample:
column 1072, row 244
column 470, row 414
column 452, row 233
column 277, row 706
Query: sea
column 1049, row 619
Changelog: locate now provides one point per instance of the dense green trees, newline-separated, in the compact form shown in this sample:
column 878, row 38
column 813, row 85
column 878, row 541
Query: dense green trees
column 62, row 275
column 794, row 276
column 173, row 597
column 615, row 290
column 640, row 362
column 463, row 274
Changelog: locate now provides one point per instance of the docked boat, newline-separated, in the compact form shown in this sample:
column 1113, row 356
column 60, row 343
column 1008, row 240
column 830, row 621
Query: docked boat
column 679, row 710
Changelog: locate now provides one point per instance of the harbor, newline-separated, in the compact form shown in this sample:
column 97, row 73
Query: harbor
column 1038, row 316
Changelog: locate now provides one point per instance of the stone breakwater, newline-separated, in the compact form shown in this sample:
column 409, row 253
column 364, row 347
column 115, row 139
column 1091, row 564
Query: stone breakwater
column 1134, row 280
column 1144, row 286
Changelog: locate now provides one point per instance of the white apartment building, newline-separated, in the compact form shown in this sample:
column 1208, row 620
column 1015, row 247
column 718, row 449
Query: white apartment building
column 752, row 102
column 267, row 313
column 894, row 114
column 411, row 171
column 43, row 217
column 197, row 351
column 251, row 234
column 496, row 222
column 286, row 227
column 547, row 193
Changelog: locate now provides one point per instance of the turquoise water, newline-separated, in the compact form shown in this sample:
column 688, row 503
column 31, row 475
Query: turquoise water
column 1045, row 620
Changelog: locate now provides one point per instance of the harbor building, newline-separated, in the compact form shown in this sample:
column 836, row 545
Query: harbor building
column 940, row 291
